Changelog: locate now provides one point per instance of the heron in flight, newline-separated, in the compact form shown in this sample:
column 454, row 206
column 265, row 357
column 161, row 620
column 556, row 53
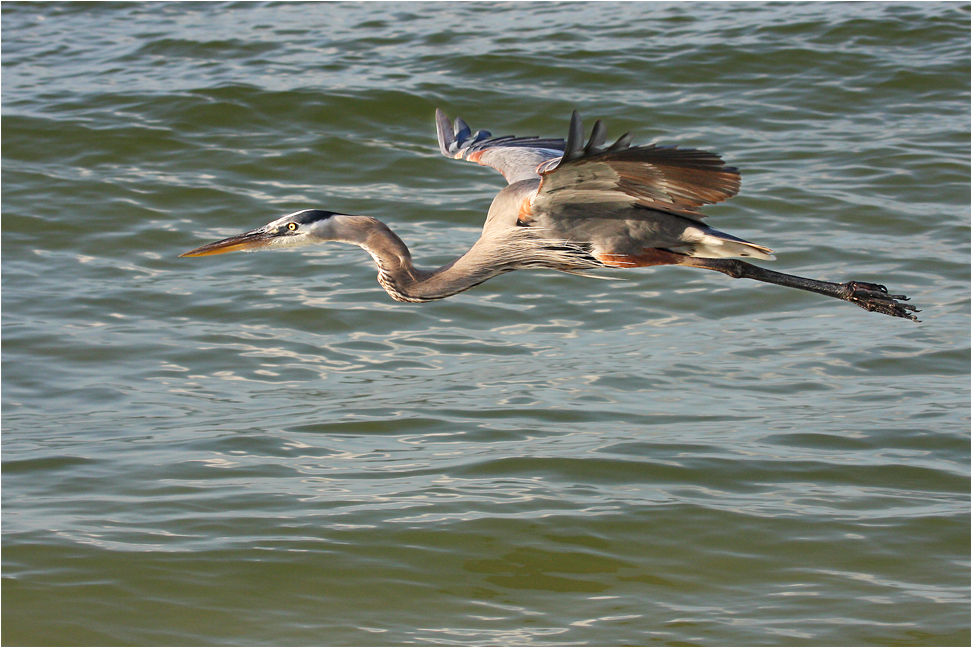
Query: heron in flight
column 568, row 206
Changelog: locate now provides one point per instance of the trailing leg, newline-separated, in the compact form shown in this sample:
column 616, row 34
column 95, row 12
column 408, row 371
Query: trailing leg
column 872, row 297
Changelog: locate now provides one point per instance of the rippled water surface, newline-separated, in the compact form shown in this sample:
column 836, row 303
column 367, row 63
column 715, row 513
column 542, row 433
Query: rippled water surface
column 266, row 449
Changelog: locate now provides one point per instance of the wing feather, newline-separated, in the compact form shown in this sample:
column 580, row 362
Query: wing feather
column 517, row 158
column 664, row 178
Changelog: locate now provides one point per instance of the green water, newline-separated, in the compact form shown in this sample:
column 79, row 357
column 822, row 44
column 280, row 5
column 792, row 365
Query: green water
column 266, row 449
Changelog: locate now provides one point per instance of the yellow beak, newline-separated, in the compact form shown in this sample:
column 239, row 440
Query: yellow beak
column 249, row 241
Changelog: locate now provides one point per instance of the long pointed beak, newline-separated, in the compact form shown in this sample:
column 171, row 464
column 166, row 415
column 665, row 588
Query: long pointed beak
column 253, row 240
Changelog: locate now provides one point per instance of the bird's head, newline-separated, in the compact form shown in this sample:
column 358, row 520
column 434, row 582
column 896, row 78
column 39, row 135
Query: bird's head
column 300, row 228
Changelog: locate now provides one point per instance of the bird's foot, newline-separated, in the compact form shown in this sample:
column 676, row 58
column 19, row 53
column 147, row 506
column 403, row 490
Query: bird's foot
column 875, row 297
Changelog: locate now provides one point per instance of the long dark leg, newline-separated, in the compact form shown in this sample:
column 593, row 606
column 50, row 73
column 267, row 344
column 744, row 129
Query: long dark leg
column 872, row 297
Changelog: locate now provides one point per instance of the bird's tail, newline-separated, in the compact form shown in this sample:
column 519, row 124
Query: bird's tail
column 709, row 243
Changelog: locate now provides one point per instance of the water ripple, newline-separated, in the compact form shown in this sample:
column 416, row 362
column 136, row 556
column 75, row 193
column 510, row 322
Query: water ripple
column 267, row 449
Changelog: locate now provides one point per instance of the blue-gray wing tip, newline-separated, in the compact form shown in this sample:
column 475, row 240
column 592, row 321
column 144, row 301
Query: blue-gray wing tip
column 443, row 128
column 456, row 135
column 461, row 130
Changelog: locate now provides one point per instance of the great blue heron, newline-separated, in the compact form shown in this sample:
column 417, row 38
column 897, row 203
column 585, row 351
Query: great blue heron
column 569, row 207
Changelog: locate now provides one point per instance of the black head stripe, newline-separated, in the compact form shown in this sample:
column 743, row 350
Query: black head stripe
column 312, row 216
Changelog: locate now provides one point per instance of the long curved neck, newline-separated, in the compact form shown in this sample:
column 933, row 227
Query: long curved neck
column 399, row 276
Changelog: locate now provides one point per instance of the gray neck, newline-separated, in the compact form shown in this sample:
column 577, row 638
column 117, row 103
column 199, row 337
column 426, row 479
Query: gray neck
column 399, row 276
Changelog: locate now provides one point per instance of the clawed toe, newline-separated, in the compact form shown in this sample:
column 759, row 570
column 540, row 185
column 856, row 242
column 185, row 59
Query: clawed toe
column 875, row 298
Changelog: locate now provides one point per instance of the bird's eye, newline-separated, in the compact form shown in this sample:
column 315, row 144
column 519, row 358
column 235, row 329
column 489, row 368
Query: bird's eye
column 292, row 226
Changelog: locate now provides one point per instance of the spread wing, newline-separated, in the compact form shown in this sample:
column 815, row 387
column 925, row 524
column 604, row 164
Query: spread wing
column 517, row 158
column 663, row 178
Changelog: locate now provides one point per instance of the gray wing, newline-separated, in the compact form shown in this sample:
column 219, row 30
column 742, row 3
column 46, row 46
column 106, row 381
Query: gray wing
column 517, row 158
column 663, row 178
